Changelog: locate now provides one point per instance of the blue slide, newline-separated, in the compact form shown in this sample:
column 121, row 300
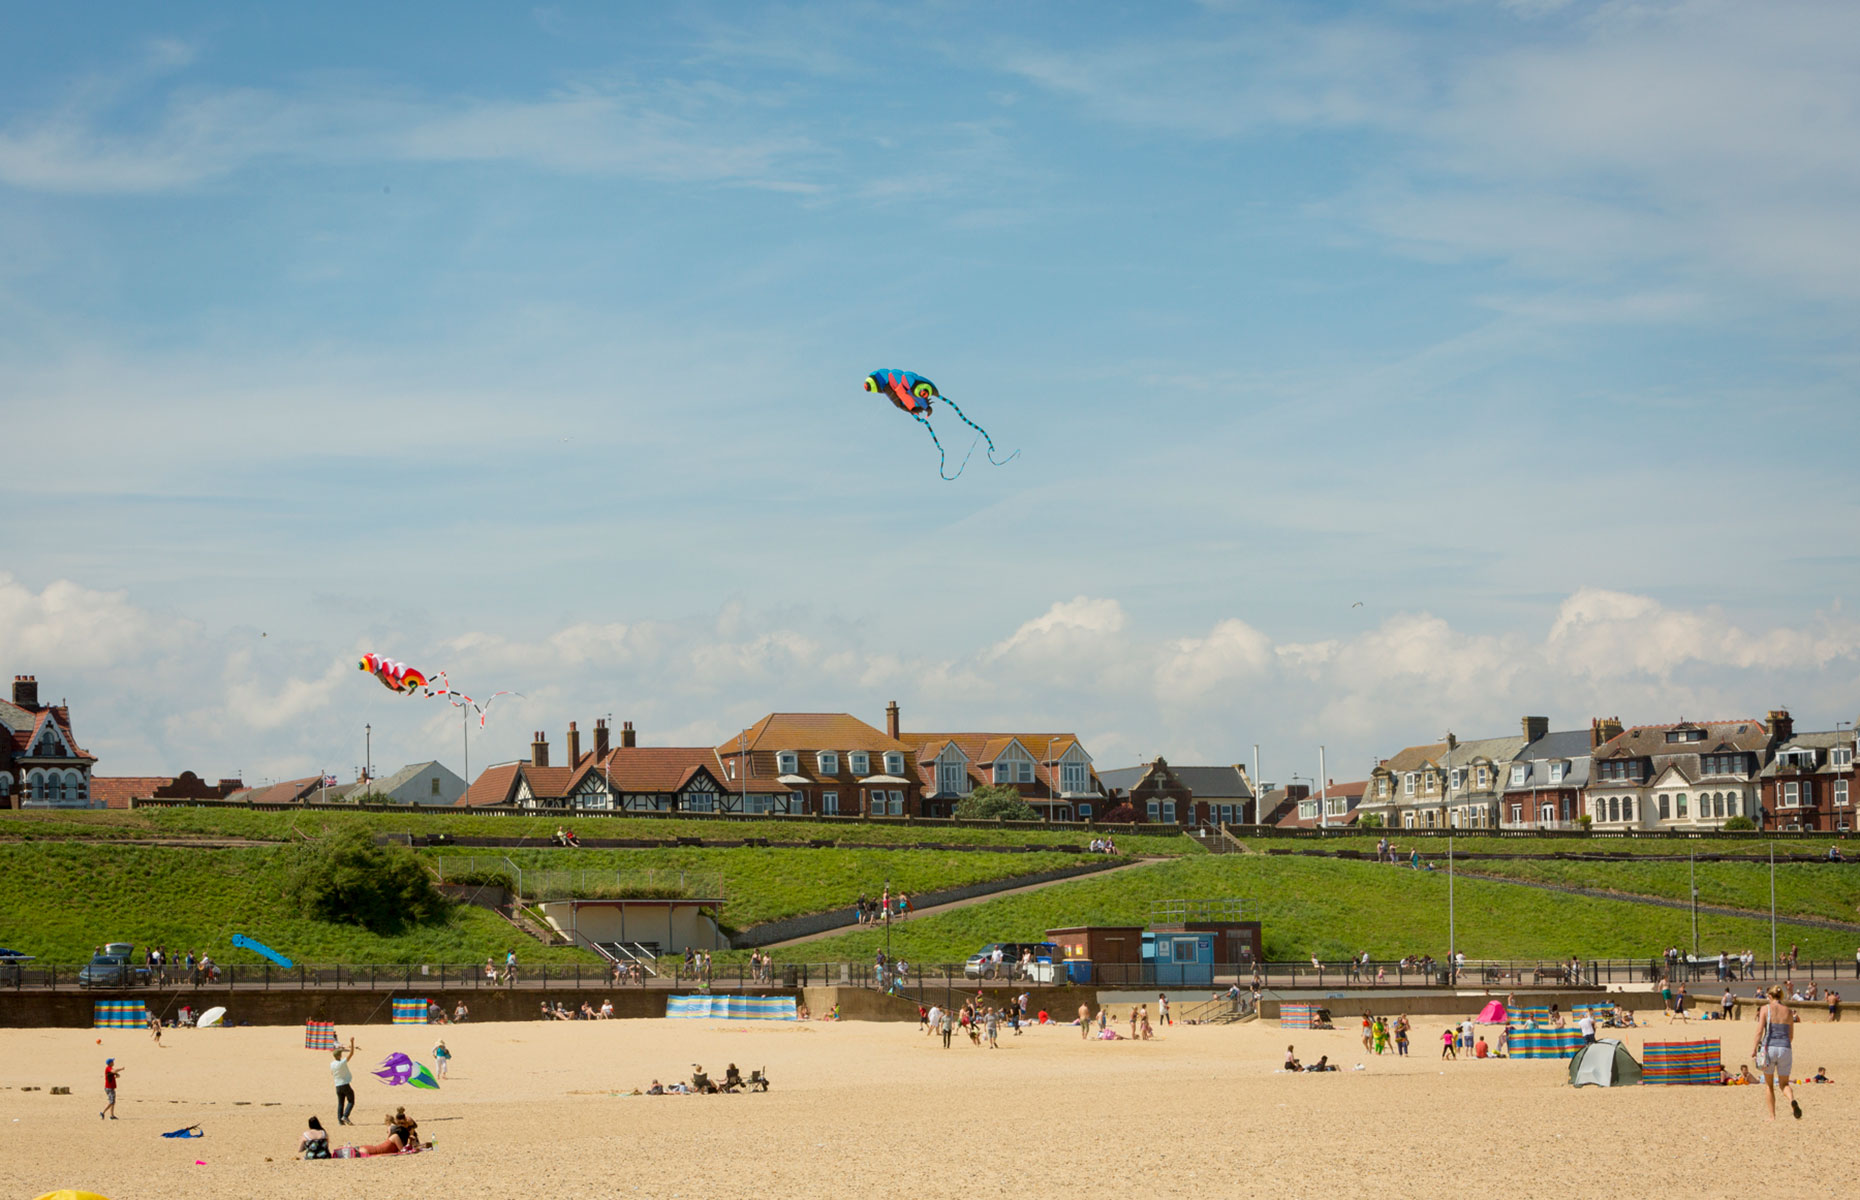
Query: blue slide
column 239, row 939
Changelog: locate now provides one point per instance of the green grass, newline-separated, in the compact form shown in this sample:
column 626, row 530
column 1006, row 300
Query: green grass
column 1331, row 908
column 284, row 826
column 1754, row 844
column 765, row 885
column 1830, row 890
column 60, row 901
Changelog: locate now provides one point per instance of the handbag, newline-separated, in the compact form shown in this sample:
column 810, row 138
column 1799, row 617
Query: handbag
column 1761, row 1057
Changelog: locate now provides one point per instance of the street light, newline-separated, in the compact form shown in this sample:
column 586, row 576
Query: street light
column 368, row 751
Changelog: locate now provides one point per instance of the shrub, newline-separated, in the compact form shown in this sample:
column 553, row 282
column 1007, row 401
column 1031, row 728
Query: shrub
column 1369, row 821
column 1740, row 825
column 993, row 801
column 1121, row 814
column 345, row 878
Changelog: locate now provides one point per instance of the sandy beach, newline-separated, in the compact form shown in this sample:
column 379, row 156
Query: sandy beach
column 540, row 1109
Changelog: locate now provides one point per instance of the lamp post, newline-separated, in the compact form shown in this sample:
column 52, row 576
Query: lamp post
column 1692, row 882
column 368, row 751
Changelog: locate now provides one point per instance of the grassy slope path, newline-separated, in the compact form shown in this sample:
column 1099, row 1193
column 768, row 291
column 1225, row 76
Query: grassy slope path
column 939, row 909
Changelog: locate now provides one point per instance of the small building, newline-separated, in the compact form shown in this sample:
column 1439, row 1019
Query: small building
column 644, row 927
column 1115, row 952
column 1237, row 942
column 416, row 783
column 1178, row 959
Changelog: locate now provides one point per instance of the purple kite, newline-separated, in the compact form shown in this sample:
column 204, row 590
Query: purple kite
column 397, row 1069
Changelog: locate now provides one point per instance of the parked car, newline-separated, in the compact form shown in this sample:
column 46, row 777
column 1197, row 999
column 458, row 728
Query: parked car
column 115, row 967
column 981, row 963
column 12, row 963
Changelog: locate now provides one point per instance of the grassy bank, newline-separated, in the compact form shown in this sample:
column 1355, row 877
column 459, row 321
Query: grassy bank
column 1830, row 890
column 1333, row 908
column 286, row 826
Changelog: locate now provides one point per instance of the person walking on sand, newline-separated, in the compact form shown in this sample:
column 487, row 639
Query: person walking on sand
column 345, row 1079
column 1084, row 1020
column 1774, row 1049
column 110, row 1073
column 155, row 1028
column 442, row 1058
column 1162, row 1009
column 1446, row 1044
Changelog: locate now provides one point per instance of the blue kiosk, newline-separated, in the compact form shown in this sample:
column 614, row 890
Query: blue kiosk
column 1179, row 959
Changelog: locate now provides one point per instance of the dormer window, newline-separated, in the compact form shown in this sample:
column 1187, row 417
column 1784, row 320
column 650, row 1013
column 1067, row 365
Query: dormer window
column 1558, row 771
column 1458, row 779
column 1382, row 787
column 828, row 761
column 1004, row 772
column 1407, row 784
column 894, row 763
column 787, row 762
column 1843, row 757
column 1517, row 775
column 859, row 762
column 1024, row 771
column 1485, row 777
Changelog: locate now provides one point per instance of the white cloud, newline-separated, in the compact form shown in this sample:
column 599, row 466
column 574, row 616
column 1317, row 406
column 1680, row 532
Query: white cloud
column 1066, row 624
column 67, row 624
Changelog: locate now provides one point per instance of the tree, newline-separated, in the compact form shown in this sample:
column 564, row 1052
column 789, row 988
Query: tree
column 1740, row 825
column 345, row 877
column 993, row 801
column 1369, row 821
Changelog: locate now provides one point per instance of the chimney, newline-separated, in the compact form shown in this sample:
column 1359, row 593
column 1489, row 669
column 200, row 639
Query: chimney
column 626, row 735
column 891, row 720
column 1536, row 729
column 1782, row 725
column 539, row 750
column 574, row 745
column 1297, row 791
column 26, row 692
column 1603, row 729
column 62, row 714
column 1453, row 743
column 600, row 739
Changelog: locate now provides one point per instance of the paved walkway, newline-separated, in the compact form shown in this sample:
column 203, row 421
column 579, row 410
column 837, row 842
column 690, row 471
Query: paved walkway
column 953, row 905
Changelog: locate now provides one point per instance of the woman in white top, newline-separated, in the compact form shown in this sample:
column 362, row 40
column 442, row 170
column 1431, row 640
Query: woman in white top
column 1776, row 1040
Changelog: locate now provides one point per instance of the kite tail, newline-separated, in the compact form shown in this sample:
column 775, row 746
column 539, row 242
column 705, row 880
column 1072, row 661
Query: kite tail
column 942, row 459
column 999, row 462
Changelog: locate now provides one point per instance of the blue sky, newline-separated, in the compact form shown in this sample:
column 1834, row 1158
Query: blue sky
column 528, row 343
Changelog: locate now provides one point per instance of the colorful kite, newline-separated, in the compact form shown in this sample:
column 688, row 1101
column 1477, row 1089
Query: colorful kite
column 397, row 1069
column 399, row 677
column 914, row 394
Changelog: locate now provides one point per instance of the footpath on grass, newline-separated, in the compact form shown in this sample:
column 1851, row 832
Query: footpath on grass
column 952, row 905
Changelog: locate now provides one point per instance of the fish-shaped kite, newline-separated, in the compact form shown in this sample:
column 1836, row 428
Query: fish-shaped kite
column 914, row 394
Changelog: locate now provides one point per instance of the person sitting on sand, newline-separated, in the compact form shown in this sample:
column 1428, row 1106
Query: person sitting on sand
column 460, row 1012
column 657, row 1089
column 1291, row 1060
column 409, row 1129
column 800, row 1011
column 1322, row 1064
column 732, row 1079
column 391, row 1145
column 315, row 1141
column 1820, row 1076
column 1480, row 1049
column 607, row 1010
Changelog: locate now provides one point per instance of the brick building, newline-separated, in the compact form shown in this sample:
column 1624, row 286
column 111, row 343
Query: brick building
column 1809, row 782
column 41, row 764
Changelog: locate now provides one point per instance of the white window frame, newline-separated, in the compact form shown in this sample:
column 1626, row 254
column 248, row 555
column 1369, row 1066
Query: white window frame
column 1023, row 772
column 830, row 803
column 897, row 803
column 1382, row 787
column 1307, row 810
column 1559, row 771
column 1841, row 799
column 1004, row 772
column 1546, row 814
column 1517, row 814
column 1458, row 779
column 1074, row 778
column 1407, row 784
column 787, row 762
column 859, row 762
column 1336, row 806
column 894, row 763
column 1168, row 808
column 1407, row 820
column 1517, row 775
column 1155, row 811
column 952, row 779
column 828, row 761
column 1842, row 756
column 1791, row 795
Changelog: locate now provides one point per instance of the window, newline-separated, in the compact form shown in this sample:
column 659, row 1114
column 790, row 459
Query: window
column 1084, row 812
column 1517, row 814
column 787, row 762
column 1307, row 810
column 894, row 763
column 1458, row 779
column 1840, row 793
column 700, row 802
column 1808, row 793
column 1485, row 777
column 1024, row 771
column 1335, row 806
column 1430, row 782
column 1382, row 787
column 1614, row 807
column 829, row 802
column 859, row 762
column 1168, row 812
column 1685, row 735
column 828, row 761
column 1679, row 805
column 897, row 804
column 1407, row 784
column 1155, row 810
column 1407, row 820
column 950, row 778
column 1182, row 950
column 1430, row 818
column 1790, row 798
column 1074, row 778
column 1843, row 757
column 1517, row 775
column 1003, row 772
column 1665, row 804
column 1226, row 814
column 1558, row 772
column 1547, row 814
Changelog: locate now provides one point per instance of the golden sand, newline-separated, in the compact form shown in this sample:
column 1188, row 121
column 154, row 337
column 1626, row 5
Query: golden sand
column 878, row 1109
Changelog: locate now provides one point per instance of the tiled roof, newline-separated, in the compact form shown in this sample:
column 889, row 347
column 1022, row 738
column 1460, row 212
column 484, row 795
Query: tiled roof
column 1650, row 740
column 1214, row 783
column 1413, row 758
column 983, row 748
column 116, row 791
column 810, row 731
column 548, row 783
column 662, row 769
column 1570, row 744
column 494, row 786
column 288, row 792
column 1351, row 792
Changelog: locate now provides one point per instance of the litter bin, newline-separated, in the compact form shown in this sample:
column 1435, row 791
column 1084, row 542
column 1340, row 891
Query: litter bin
column 790, row 975
column 1078, row 970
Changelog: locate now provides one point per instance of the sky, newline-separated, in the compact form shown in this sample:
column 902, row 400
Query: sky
column 1376, row 370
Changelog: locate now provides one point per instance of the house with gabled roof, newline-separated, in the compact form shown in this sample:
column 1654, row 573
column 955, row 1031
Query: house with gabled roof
column 1166, row 793
column 1544, row 782
column 429, row 782
column 635, row 778
column 1333, row 806
column 41, row 764
column 828, row 763
column 1408, row 790
column 1809, row 782
column 1687, row 775
column 1476, row 770
column 1051, row 771
column 289, row 791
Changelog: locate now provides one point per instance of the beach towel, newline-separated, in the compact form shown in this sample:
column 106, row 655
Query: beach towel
column 319, row 1035
column 192, row 1131
column 410, row 1012
column 1681, row 1062
column 121, row 1014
